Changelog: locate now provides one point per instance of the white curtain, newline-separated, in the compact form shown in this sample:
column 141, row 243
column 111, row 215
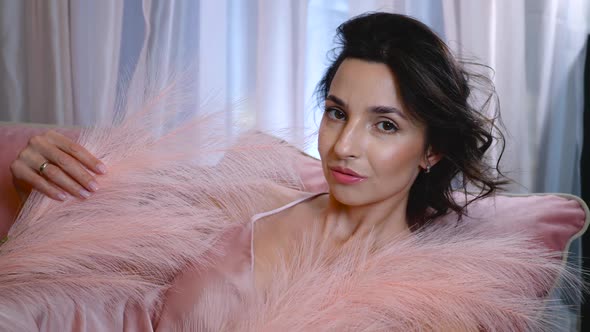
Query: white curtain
column 58, row 60
column 249, row 57
column 537, row 49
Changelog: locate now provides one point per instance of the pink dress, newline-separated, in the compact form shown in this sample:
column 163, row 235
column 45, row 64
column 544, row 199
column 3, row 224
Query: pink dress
column 194, row 302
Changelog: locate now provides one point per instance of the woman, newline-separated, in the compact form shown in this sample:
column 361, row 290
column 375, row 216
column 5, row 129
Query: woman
column 396, row 131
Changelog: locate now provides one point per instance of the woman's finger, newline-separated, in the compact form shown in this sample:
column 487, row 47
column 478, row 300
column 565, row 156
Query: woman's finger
column 77, row 151
column 58, row 177
column 69, row 168
column 23, row 172
column 54, row 174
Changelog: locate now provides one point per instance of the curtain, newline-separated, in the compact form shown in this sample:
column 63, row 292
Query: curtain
column 585, row 164
column 248, row 58
column 58, row 60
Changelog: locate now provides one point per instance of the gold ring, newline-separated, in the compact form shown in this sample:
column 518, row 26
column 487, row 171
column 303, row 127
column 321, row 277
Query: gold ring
column 43, row 166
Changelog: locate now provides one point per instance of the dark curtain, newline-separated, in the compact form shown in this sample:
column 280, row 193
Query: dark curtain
column 586, row 183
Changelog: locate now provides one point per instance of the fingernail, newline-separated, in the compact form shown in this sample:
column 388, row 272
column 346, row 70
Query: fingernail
column 84, row 193
column 101, row 168
column 93, row 185
column 62, row 196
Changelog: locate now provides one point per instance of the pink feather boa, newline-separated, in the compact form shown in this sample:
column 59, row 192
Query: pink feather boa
column 105, row 263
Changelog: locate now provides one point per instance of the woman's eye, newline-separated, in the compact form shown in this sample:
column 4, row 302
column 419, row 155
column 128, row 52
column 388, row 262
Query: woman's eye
column 336, row 114
column 387, row 126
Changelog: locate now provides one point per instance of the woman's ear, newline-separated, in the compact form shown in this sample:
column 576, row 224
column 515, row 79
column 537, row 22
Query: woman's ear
column 430, row 159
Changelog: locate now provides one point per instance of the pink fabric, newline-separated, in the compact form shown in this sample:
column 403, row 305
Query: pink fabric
column 190, row 288
column 312, row 174
column 13, row 138
column 69, row 315
column 554, row 220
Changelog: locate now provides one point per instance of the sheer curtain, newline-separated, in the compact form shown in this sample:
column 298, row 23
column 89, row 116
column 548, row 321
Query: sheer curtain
column 58, row 60
column 65, row 62
column 247, row 57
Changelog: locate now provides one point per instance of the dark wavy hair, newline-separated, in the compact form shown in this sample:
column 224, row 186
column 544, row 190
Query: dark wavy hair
column 436, row 91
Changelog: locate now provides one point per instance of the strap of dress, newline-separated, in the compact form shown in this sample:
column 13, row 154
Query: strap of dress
column 258, row 216
column 284, row 207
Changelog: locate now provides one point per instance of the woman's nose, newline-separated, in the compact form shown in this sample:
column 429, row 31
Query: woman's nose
column 349, row 143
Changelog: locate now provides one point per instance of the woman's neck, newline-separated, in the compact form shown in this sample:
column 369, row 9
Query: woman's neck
column 381, row 220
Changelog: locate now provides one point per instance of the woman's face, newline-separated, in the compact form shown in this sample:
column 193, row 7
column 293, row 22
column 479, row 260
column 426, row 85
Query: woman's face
column 371, row 150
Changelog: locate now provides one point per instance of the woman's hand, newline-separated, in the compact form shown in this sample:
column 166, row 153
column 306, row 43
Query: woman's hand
column 56, row 166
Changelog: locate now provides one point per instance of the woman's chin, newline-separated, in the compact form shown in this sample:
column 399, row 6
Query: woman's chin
column 346, row 195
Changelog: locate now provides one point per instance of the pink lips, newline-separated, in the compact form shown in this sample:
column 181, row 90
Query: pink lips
column 345, row 175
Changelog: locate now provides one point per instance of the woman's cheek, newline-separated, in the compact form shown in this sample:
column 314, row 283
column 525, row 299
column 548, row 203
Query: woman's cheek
column 325, row 138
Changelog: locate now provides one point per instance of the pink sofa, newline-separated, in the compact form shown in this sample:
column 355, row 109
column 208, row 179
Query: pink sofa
column 13, row 138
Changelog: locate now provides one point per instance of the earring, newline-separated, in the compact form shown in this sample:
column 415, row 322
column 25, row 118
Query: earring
column 427, row 168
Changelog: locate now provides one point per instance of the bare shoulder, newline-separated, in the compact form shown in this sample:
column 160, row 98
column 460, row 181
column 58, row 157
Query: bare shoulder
column 293, row 218
column 275, row 228
column 274, row 234
column 280, row 195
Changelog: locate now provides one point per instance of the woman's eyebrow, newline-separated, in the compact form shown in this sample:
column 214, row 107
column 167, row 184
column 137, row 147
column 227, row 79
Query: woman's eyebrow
column 336, row 100
column 374, row 109
column 387, row 110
